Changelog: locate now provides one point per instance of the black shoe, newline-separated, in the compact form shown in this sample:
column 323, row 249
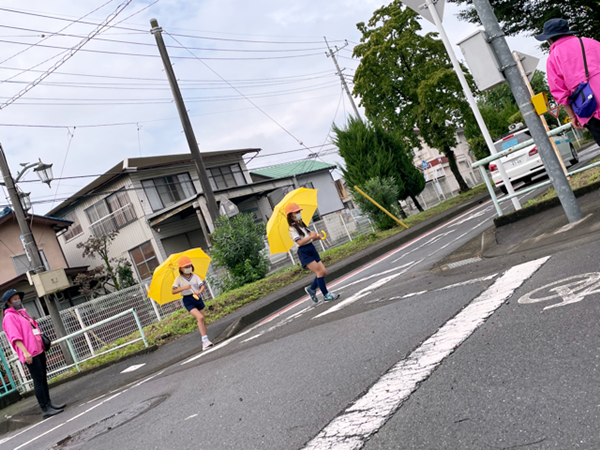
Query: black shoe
column 49, row 411
column 63, row 406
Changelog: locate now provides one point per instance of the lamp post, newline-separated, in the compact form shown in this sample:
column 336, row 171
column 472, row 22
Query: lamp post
column 20, row 203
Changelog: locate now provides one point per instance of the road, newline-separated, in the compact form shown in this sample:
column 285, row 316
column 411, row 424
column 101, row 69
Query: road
column 499, row 353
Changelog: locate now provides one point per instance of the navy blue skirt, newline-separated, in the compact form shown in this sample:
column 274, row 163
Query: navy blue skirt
column 307, row 254
column 190, row 303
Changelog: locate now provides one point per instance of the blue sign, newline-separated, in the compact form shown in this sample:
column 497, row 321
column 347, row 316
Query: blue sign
column 424, row 165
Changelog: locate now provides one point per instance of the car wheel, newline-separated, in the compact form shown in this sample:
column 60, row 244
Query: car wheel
column 575, row 157
column 503, row 189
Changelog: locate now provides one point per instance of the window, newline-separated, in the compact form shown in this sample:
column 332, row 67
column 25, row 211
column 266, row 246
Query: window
column 75, row 229
column 145, row 260
column 111, row 213
column 22, row 264
column 226, row 176
column 166, row 191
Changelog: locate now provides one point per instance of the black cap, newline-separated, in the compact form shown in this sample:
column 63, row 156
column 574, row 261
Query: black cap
column 9, row 294
column 554, row 27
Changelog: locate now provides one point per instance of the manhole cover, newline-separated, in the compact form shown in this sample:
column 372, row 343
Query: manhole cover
column 108, row 424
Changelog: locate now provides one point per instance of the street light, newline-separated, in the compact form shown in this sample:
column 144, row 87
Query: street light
column 25, row 200
column 44, row 172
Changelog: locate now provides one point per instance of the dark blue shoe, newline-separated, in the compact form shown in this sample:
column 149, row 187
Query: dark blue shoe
column 312, row 293
column 331, row 296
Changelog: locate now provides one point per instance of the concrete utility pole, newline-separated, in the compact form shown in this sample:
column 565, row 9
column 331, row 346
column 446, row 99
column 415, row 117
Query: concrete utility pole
column 31, row 250
column 339, row 72
column 471, row 100
column 521, row 94
column 185, row 121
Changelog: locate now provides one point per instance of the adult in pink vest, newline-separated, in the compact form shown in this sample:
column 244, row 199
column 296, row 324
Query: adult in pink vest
column 24, row 336
column 565, row 70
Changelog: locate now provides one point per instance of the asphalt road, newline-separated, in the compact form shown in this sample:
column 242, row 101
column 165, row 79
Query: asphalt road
column 475, row 357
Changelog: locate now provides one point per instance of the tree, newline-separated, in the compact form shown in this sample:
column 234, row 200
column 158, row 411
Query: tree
column 370, row 151
column 385, row 192
column 406, row 80
column 91, row 282
column 527, row 16
column 238, row 245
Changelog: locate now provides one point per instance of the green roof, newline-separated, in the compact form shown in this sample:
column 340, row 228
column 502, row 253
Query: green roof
column 294, row 168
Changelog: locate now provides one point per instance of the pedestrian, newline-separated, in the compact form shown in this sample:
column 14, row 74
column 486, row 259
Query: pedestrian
column 565, row 69
column 307, row 253
column 191, row 288
column 25, row 337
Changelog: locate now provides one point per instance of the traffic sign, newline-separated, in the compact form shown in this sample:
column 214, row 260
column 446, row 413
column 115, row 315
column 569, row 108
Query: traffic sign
column 420, row 7
column 424, row 165
column 530, row 63
column 554, row 111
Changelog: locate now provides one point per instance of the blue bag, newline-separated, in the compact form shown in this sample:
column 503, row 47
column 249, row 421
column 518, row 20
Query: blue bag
column 582, row 100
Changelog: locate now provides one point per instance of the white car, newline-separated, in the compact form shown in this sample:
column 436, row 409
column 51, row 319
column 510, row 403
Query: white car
column 526, row 163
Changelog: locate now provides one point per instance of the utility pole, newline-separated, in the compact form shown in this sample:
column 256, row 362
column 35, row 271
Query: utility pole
column 31, row 250
column 185, row 121
column 512, row 74
column 339, row 72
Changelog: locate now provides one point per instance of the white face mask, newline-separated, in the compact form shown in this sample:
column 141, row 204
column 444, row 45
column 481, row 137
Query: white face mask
column 298, row 216
column 187, row 270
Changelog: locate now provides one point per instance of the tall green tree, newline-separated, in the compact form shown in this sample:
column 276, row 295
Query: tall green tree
column 370, row 151
column 385, row 192
column 528, row 16
column 405, row 80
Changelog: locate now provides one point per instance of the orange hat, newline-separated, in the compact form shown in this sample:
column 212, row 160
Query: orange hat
column 292, row 208
column 184, row 261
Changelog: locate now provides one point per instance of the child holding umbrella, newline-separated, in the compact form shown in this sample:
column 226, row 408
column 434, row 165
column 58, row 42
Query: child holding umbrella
column 307, row 253
column 191, row 287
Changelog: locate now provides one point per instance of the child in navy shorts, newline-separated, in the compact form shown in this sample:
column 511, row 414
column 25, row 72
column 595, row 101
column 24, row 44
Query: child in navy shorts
column 191, row 287
column 307, row 253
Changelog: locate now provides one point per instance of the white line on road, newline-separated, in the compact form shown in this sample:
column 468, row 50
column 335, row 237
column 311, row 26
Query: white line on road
column 352, row 428
column 133, row 368
column 464, row 283
column 190, row 417
column 378, row 274
column 365, row 291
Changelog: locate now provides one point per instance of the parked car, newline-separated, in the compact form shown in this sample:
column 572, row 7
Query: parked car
column 526, row 163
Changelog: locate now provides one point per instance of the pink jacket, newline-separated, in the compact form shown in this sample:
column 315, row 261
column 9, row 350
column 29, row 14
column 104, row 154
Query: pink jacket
column 18, row 328
column 565, row 69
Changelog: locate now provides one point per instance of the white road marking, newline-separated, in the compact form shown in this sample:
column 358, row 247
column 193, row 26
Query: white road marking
column 190, row 417
column 281, row 323
column 72, row 418
column 364, row 292
column 464, row 283
column 572, row 290
column 411, row 295
column 134, row 367
column 352, row 428
column 372, row 276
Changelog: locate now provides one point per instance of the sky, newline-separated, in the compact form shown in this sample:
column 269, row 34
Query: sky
column 253, row 74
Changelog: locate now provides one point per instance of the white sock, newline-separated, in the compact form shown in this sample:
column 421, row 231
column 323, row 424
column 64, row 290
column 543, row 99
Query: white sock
column 205, row 337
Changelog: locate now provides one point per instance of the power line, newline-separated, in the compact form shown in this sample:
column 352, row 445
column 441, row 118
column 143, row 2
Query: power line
column 144, row 31
column 71, row 52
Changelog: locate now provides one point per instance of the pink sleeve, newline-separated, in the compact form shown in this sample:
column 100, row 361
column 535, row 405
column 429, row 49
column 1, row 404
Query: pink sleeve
column 556, row 82
column 12, row 329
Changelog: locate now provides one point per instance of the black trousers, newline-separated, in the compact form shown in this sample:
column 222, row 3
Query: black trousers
column 594, row 126
column 38, row 371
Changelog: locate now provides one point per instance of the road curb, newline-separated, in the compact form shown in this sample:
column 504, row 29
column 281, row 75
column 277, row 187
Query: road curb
column 280, row 299
column 532, row 210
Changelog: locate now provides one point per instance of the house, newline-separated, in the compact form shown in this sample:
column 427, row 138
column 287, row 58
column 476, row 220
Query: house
column 158, row 207
column 14, row 263
column 435, row 164
column 310, row 174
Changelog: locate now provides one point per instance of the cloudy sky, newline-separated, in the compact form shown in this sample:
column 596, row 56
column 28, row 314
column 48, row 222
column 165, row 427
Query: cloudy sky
column 111, row 100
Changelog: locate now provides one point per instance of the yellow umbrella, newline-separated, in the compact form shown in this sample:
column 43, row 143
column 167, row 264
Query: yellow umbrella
column 165, row 274
column 278, row 227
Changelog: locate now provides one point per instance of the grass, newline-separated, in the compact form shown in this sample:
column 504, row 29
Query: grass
column 577, row 181
column 180, row 322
